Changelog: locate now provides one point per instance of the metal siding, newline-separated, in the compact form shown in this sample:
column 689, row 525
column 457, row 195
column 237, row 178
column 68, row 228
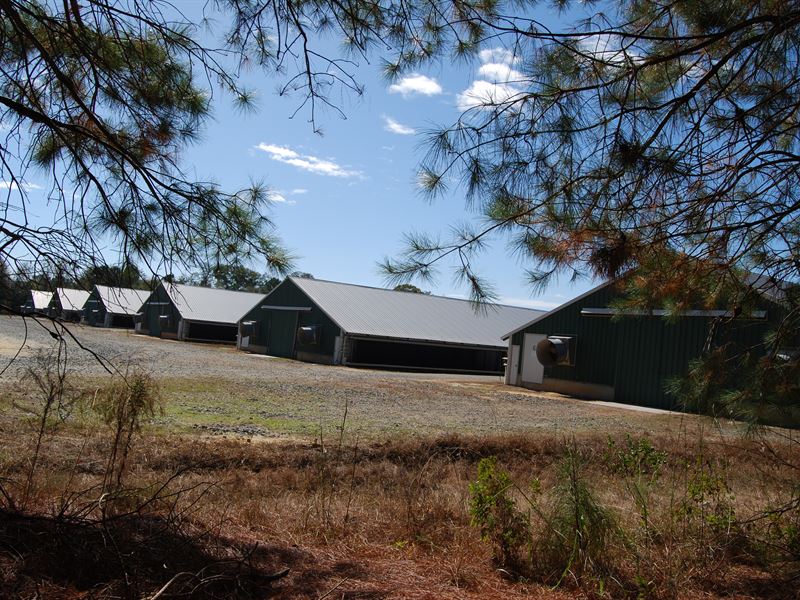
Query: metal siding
column 159, row 303
column 638, row 356
column 596, row 339
column 281, row 331
column 288, row 294
column 95, row 302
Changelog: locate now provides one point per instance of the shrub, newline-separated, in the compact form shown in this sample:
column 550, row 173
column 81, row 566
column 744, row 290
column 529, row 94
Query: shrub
column 495, row 513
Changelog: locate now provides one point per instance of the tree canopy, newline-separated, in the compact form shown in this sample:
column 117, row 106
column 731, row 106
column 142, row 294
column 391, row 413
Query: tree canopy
column 659, row 141
column 234, row 277
column 409, row 287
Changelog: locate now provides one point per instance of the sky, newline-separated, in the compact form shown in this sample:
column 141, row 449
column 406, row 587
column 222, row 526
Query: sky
column 343, row 199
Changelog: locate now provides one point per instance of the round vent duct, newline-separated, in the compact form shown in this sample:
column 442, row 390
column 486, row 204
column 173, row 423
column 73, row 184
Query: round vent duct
column 552, row 351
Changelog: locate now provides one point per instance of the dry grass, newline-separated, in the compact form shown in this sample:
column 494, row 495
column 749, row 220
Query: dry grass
column 380, row 519
column 354, row 511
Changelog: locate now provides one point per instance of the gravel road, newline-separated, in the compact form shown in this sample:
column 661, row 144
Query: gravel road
column 214, row 385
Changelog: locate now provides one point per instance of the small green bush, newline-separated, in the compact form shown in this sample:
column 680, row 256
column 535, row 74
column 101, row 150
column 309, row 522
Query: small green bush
column 635, row 457
column 495, row 513
column 570, row 537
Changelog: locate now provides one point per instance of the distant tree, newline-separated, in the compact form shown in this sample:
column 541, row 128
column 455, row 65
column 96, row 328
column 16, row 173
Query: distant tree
column 239, row 278
column 125, row 275
column 409, row 287
column 301, row 275
column 12, row 295
column 232, row 277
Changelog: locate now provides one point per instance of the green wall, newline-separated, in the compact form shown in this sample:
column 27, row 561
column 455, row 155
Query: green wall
column 159, row 303
column 94, row 303
column 277, row 328
column 637, row 355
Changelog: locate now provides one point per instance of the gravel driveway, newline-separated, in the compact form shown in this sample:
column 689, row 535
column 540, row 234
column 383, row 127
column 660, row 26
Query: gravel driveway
column 218, row 389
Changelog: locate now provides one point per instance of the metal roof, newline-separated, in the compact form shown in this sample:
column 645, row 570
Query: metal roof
column 121, row 301
column 378, row 312
column 72, row 299
column 41, row 300
column 209, row 304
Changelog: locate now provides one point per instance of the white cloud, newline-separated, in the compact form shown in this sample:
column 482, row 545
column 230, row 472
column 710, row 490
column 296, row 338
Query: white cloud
column 13, row 185
column 394, row 127
column 416, row 84
column 497, row 81
column 499, row 73
column 278, row 152
column 307, row 162
column 497, row 55
column 609, row 48
column 485, row 94
column 279, row 197
column 297, row 191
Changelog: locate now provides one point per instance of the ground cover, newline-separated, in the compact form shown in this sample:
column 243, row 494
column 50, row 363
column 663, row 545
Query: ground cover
column 359, row 483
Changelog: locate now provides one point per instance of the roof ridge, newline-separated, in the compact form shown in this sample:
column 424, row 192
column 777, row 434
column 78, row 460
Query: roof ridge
column 213, row 289
column 372, row 287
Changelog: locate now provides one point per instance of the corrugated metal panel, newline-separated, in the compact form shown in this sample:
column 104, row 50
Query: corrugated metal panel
column 158, row 306
column 41, row 300
column 211, row 305
column 638, row 356
column 378, row 312
column 72, row 299
column 121, row 301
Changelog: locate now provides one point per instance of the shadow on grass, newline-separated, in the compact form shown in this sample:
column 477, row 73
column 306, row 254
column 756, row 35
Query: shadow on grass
column 146, row 557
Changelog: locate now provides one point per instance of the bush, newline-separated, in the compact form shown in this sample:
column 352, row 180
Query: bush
column 570, row 536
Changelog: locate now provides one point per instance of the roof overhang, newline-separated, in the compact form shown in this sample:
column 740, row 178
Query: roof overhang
column 426, row 342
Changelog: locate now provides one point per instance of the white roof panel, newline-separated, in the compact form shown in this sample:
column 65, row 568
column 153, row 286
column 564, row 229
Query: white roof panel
column 122, row 301
column 41, row 300
column 209, row 304
column 379, row 312
column 72, row 299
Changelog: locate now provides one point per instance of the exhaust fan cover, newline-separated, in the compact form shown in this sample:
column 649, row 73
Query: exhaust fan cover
column 309, row 335
column 556, row 350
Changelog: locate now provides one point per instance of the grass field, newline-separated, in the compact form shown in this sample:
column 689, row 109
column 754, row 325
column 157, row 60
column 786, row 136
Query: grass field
column 359, row 483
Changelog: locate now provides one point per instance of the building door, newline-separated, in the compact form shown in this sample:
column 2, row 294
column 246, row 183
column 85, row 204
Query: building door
column 512, row 366
column 532, row 369
column 282, row 326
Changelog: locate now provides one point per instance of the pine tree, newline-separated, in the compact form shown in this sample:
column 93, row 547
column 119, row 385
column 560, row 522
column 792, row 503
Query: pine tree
column 659, row 141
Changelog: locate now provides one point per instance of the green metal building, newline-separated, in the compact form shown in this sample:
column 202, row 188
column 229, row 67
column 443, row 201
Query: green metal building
column 586, row 349
column 67, row 304
column 194, row 313
column 337, row 323
column 113, row 306
column 37, row 302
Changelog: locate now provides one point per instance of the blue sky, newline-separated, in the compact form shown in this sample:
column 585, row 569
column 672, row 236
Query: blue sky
column 343, row 200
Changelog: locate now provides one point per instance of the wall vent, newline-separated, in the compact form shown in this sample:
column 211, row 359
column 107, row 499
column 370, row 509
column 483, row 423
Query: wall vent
column 309, row 335
column 557, row 350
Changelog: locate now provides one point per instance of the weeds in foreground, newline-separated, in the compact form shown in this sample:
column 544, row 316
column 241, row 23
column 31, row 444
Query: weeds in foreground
column 85, row 526
column 566, row 535
column 562, row 534
column 47, row 397
column 124, row 405
column 630, row 517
